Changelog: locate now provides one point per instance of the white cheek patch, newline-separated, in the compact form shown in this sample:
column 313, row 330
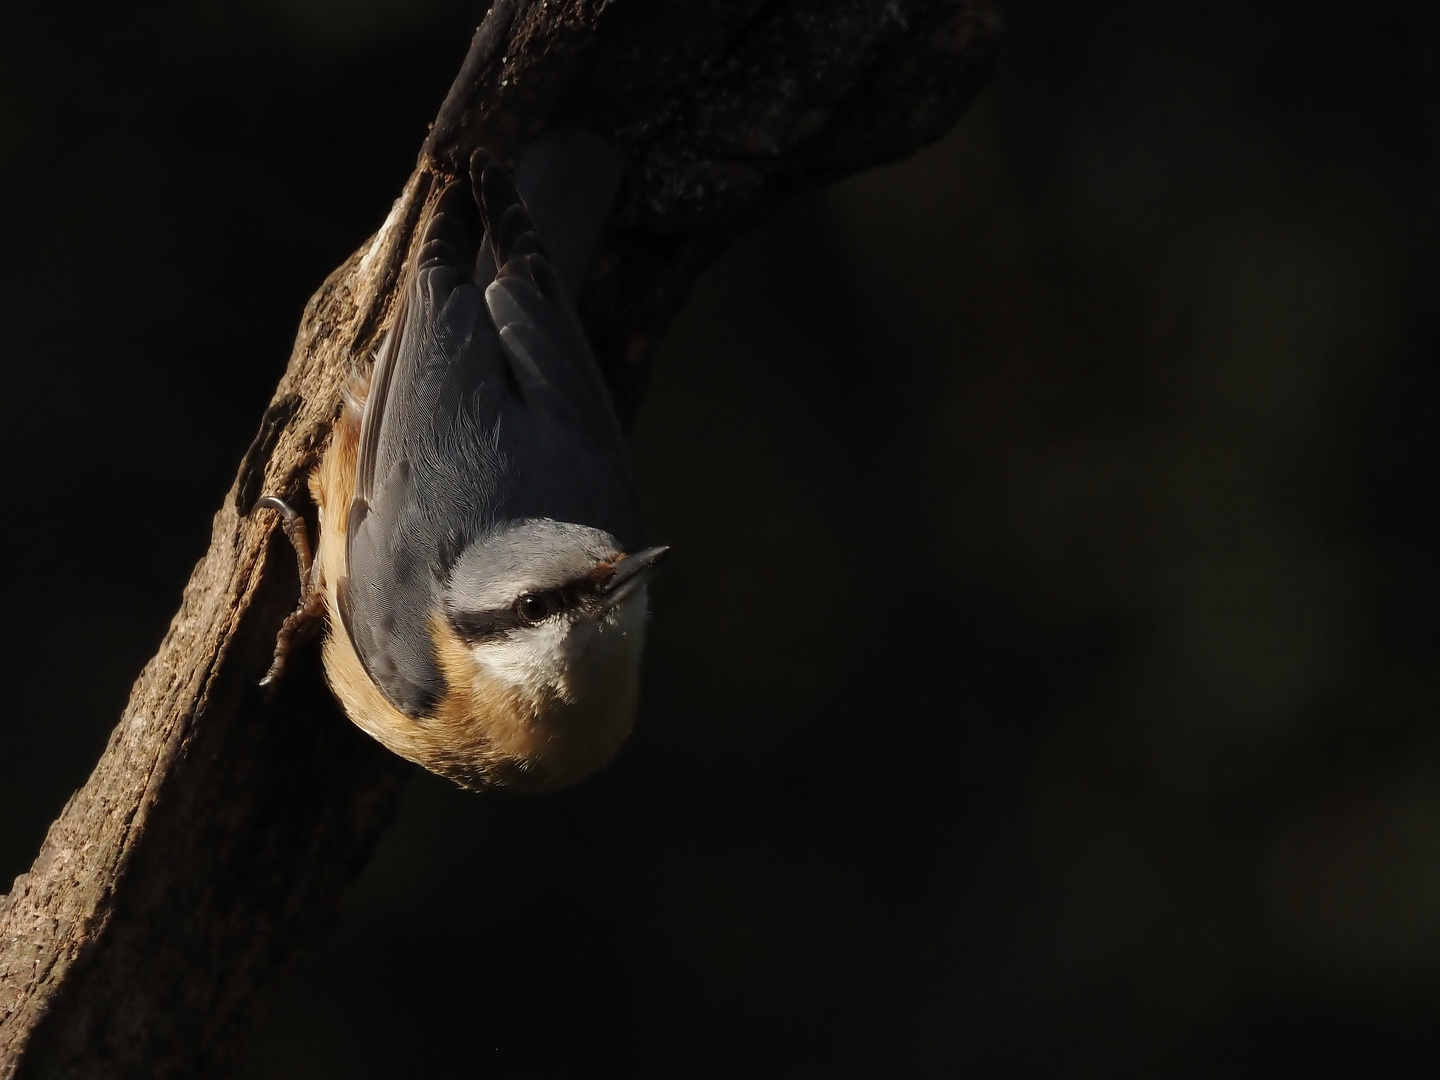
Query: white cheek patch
column 529, row 658
column 570, row 660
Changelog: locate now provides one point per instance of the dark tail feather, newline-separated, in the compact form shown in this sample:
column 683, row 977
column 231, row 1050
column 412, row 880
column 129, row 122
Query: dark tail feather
column 569, row 180
column 453, row 233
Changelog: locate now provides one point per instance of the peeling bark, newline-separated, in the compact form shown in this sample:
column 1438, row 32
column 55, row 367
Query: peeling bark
column 222, row 826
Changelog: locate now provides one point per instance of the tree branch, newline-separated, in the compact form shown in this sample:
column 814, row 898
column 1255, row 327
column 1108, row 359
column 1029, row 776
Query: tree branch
column 221, row 827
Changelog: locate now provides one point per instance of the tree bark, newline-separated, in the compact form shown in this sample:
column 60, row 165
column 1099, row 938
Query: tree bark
column 222, row 826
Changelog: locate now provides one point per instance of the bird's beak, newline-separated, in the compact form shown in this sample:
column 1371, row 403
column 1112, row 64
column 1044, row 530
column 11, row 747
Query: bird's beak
column 630, row 573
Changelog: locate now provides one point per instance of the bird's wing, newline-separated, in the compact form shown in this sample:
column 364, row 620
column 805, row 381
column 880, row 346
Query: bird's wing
column 428, row 474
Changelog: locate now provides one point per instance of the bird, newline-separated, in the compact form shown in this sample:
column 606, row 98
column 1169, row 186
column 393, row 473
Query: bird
column 480, row 567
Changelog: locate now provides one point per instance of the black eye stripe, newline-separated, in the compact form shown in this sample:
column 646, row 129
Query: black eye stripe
column 475, row 627
column 564, row 598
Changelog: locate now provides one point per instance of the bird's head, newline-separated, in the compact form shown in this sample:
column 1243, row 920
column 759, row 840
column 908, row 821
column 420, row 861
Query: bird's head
column 539, row 639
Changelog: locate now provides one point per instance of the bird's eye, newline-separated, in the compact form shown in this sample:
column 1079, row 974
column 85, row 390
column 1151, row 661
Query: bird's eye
column 532, row 607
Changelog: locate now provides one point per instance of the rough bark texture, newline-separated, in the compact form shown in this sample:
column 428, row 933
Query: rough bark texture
column 221, row 827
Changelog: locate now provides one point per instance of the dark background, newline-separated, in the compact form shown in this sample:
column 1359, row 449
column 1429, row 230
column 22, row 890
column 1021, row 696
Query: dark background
column 1045, row 679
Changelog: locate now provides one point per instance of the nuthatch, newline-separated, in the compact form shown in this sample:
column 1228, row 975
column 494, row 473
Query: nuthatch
column 479, row 558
